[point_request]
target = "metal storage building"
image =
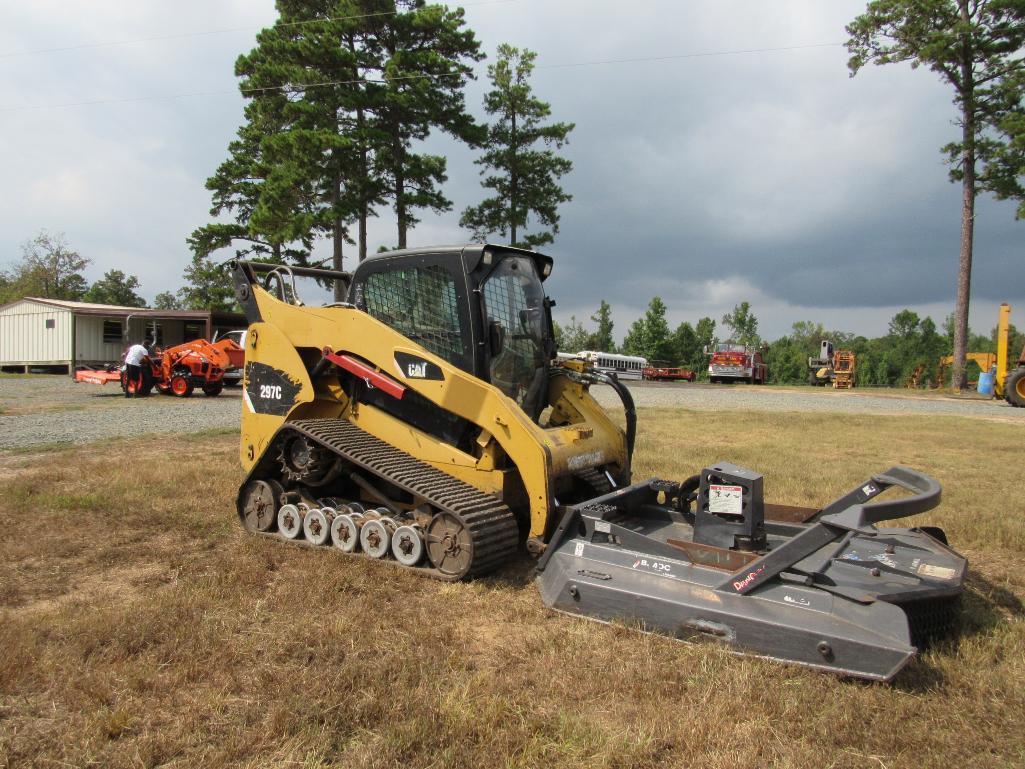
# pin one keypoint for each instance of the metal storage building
(56, 335)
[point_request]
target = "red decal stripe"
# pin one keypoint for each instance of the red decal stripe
(369, 375)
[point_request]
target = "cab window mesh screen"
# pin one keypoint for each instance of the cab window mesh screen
(419, 303)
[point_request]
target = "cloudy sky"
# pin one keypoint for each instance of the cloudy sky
(707, 169)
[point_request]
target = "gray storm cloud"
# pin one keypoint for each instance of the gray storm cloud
(706, 179)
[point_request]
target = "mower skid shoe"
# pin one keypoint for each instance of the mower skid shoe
(835, 593)
(795, 625)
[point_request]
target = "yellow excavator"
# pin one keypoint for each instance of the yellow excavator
(426, 421)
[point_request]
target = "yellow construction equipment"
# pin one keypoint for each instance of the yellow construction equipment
(985, 361)
(1008, 384)
(912, 382)
(836, 367)
(426, 421)
(844, 367)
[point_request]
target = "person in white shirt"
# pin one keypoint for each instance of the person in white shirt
(136, 357)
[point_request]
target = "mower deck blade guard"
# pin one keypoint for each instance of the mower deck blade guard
(833, 593)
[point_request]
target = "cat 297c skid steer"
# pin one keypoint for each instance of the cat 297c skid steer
(427, 421)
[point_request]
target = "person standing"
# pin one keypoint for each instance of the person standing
(136, 357)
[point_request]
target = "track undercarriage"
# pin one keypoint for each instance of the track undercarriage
(329, 482)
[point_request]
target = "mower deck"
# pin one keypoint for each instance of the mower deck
(831, 592)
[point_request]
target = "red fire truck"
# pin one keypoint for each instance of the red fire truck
(731, 362)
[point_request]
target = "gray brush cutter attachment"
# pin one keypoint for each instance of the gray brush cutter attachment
(709, 559)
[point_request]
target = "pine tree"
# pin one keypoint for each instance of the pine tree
(426, 55)
(975, 46)
(259, 229)
(602, 339)
(525, 178)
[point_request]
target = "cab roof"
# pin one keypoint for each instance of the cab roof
(470, 254)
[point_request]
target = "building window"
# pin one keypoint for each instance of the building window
(113, 332)
(51, 323)
(194, 331)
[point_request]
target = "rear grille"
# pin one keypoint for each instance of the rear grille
(931, 619)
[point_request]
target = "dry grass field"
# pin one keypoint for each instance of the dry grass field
(139, 626)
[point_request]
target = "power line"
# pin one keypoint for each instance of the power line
(298, 87)
(687, 56)
(225, 31)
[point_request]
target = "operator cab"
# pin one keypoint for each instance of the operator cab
(481, 307)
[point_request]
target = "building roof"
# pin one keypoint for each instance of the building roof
(69, 305)
(114, 310)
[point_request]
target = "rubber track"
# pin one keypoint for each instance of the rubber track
(491, 524)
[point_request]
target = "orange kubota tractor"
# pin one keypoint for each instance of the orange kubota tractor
(177, 370)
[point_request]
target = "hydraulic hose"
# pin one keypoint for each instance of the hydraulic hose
(629, 409)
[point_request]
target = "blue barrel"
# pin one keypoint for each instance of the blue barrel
(986, 379)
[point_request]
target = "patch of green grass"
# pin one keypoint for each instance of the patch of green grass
(42, 448)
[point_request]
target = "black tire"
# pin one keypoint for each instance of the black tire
(1014, 387)
(212, 389)
(180, 386)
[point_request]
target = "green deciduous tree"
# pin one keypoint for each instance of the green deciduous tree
(742, 324)
(166, 300)
(975, 47)
(115, 288)
(208, 286)
(649, 336)
(575, 337)
(48, 269)
(519, 161)
(687, 347)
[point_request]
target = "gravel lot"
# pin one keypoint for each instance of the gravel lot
(709, 397)
(53, 409)
(39, 410)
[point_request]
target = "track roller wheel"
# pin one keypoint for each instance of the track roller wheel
(317, 525)
(345, 531)
(290, 521)
(449, 545)
(181, 386)
(407, 544)
(213, 389)
(375, 537)
(259, 505)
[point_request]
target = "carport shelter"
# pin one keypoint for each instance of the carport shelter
(55, 335)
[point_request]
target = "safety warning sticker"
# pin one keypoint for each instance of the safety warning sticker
(937, 572)
(725, 500)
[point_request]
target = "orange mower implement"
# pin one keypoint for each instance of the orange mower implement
(177, 370)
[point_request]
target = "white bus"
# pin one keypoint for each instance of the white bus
(623, 366)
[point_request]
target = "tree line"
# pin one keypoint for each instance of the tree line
(50, 269)
(911, 343)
